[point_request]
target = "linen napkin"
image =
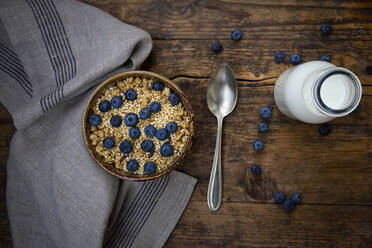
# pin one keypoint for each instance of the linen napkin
(52, 54)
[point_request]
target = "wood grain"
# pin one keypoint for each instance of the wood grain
(333, 172)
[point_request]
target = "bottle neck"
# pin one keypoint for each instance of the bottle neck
(336, 92)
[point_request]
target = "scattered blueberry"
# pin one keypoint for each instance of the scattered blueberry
(279, 56)
(155, 107)
(144, 114)
(258, 145)
(325, 29)
(166, 150)
(171, 127)
(116, 102)
(216, 47)
(263, 127)
(325, 58)
(104, 106)
(174, 99)
(95, 120)
(296, 198)
(150, 130)
(256, 169)
(324, 129)
(236, 34)
(131, 119)
(161, 134)
(108, 142)
(126, 147)
(288, 205)
(147, 145)
(279, 197)
(134, 132)
(157, 85)
(132, 165)
(149, 168)
(115, 121)
(295, 58)
(265, 112)
(130, 95)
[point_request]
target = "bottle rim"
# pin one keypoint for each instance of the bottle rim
(319, 103)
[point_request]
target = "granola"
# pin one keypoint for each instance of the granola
(147, 91)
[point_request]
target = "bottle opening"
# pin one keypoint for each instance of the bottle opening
(337, 92)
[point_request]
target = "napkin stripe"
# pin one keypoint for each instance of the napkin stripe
(150, 206)
(11, 65)
(138, 212)
(58, 48)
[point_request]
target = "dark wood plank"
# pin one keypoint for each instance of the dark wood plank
(267, 225)
(253, 59)
(7, 130)
(260, 20)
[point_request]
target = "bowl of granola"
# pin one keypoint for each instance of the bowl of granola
(138, 125)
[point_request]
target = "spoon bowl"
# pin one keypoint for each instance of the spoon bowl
(222, 92)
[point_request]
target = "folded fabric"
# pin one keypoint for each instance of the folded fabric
(52, 54)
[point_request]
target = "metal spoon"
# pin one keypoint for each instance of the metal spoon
(222, 95)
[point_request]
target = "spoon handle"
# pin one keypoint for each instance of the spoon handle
(215, 181)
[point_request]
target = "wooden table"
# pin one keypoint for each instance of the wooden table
(334, 173)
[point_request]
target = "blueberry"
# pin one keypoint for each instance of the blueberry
(258, 145)
(325, 58)
(279, 197)
(236, 34)
(134, 132)
(296, 198)
(126, 147)
(115, 121)
(95, 120)
(131, 119)
(263, 127)
(130, 95)
(108, 142)
(216, 47)
(256, 169)
(157, 85)
(155, 107)
(149, 168)
(325, 29)
(116, 102)
(144, 114)
(104, 106)
(132, 165)
(265, 112)
(147, 145)
(324, 129)
(161, 134)
(166, 150)
(174, 99)
(150, 131)
(171, 127)
(295, 58)
(279, 56)
(288, 205)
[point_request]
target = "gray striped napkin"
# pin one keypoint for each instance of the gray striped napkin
(52, 54)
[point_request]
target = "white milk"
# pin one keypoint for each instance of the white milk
(317, 92)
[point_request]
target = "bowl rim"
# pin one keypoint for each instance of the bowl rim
(86, 128)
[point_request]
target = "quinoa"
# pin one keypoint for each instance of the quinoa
(145, 95)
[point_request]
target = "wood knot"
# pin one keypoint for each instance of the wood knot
(260, 187)
(369, 69)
